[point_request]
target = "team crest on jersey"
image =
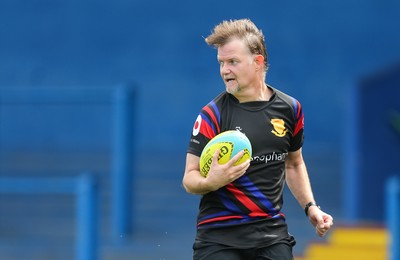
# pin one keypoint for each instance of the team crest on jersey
(279, 128)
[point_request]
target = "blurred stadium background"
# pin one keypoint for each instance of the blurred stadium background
(63, 65)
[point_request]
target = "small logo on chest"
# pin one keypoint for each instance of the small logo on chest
(278, 126)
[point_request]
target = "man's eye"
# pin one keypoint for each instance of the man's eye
(231, 62)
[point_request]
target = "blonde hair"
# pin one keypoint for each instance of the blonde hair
(242, 29)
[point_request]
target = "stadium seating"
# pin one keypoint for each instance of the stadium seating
(350, 243)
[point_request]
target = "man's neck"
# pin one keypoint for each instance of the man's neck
(257, 93)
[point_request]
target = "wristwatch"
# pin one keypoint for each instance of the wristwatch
(308, 205)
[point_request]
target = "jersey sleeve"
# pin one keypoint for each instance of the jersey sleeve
(298, 132)
(205, 128)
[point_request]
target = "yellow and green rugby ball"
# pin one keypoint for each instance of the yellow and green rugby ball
(229, 143)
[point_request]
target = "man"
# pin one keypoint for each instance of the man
(239, 215)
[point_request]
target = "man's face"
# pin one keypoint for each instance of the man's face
(237, 66)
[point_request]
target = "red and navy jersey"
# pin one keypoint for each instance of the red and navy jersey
(274, 128)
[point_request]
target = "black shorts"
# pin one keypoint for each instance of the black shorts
(211, 251)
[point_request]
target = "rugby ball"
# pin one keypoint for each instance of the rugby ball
(229, 143)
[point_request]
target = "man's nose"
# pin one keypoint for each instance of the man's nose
(225, 69)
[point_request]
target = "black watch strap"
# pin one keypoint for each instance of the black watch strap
(308, 205)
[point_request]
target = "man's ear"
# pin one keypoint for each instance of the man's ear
(259, 59)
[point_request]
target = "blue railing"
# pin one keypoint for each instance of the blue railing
(121, 99)
(85, 189)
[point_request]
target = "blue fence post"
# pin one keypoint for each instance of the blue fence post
(393, 215)
(87, 216)
(122, 176)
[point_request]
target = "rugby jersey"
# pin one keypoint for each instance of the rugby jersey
(274, 128)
